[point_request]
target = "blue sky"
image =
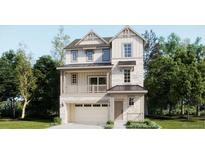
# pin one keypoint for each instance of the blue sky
(38, 38)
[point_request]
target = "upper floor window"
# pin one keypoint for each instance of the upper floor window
(74, 55)
(127, 75)
(74, 79)
(89, 54)
(127, 50)
(106, 54)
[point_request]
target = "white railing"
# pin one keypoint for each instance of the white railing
(97, 88)
(86, 89)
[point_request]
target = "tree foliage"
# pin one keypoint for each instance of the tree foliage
(176, 77)
(9, 83)
(26, 79)
(46, 95)
(59, 42)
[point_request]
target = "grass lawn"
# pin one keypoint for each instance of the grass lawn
(180, 123)
(24, 124)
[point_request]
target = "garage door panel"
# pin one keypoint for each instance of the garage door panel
(93, 115)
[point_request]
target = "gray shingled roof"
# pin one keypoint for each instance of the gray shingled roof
(73, 46)
(127, 88)
(127, 63)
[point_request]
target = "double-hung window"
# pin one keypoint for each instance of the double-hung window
(106, 54)
(74, 79)
(89, 55)
(127, 75)
(74, 55)
(128, 50)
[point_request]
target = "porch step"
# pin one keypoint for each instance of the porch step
(120, 124)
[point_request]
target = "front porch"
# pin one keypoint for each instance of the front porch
(121, 110)
(84, 82)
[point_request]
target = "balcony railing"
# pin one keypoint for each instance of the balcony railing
(86, 89)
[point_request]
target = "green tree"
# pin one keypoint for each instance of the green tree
(177, 77)
(26, 79)
(160, 81)
(46, 96)
(9, 83)
(151, 48)
(59, 42)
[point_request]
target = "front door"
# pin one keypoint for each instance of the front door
(118, 110)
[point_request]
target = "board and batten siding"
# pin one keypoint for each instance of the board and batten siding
(82, 81)
(137, 75)
(82, 58)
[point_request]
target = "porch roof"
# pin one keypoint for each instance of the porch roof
(126, 63)
(85, 66)
(127, 89)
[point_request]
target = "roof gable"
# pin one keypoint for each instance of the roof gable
(91, 38)
(127, 31)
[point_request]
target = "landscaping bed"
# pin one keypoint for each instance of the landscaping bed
(109, 125)
(146, 124)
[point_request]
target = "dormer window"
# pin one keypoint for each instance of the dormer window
(89, 55)
(74, 54)
(127, 50)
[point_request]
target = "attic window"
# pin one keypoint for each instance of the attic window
(126, 32)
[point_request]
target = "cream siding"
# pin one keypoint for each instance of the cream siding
(82, 84)
(71, 94)
(82, 58)
(137, 75)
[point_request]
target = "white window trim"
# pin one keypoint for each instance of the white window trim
(131, 97)
(72, 56)
(123, 49)
(124, 76)
(105, 60)
(97, 78)
(72, 83)
(92, 56)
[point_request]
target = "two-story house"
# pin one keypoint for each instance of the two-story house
(103, 79)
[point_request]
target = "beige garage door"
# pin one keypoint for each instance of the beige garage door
(91, 113)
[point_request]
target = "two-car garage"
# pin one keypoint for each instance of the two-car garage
(89, 113)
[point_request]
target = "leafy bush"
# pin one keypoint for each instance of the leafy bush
(57, 120)
(109, 124)
(146, 124)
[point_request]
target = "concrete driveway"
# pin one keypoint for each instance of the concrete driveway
(77, 126)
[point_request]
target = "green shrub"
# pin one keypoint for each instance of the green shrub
(109, 124)
(57, 120)
(146, 124)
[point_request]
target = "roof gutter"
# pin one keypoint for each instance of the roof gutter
(89, 67)
(127, 92)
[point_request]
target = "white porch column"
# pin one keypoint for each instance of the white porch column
(108, 80)
(63, 112)
(61, 80)
(112, 105)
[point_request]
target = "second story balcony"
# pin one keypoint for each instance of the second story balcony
(86, 89)
(85, 80)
